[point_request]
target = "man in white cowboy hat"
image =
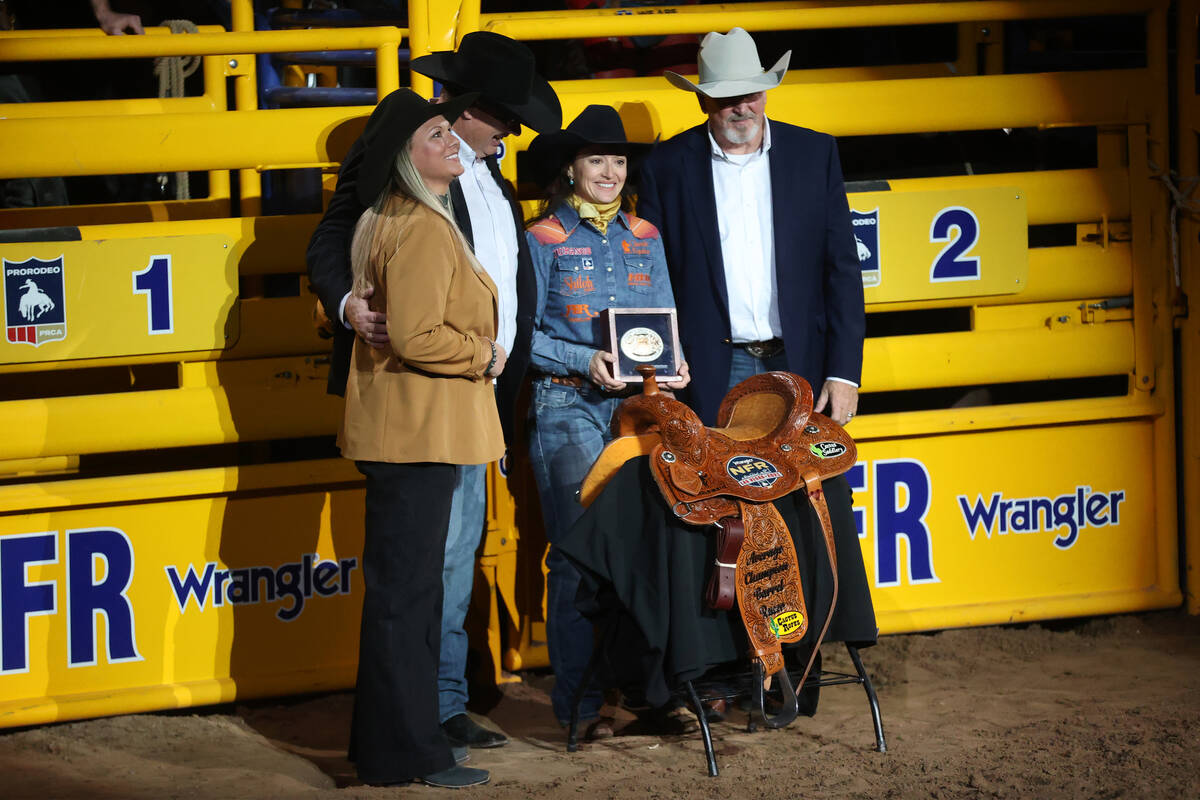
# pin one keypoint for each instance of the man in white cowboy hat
(757, 231)
(755, 223)
(511, 94)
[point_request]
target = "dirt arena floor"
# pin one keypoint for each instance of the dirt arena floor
(1103, 708)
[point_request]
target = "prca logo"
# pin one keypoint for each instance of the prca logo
(34, 301)
(865, 225)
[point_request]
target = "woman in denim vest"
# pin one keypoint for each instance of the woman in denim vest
(589, 254)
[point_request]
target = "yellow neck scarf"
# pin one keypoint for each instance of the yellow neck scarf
(599, 215)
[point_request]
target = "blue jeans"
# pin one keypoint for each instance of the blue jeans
(743, 365)
(458, 577)
(569, 429)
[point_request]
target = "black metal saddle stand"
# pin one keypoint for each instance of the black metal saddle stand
(697, 693)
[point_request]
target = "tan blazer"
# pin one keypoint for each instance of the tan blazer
(425, 398)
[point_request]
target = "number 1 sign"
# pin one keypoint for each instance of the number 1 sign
(121, 297)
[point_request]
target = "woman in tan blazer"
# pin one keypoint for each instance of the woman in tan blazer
(413, 411)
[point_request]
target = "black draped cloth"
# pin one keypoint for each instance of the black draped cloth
(645, 573)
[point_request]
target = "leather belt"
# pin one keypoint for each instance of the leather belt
(765, 349)
(577, 382)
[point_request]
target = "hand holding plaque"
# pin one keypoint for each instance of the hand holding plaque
(642, 336)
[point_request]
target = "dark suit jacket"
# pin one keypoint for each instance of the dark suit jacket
(329, 272)
(816, 263)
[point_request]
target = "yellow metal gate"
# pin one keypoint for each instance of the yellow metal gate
(165, 541)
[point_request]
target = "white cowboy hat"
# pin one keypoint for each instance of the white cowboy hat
(730, 67)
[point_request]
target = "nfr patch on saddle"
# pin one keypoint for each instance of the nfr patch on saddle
(767, 443)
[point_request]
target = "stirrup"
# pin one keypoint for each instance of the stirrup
(791, 707)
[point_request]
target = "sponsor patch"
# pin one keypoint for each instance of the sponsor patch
(635, 248)
(34, 301)
(752, 471)
(640, 279)
(1065, 516)
(785, 623)
(579, 312)
(578, 285)
(827, 449)
(572, 251)
(865, 225)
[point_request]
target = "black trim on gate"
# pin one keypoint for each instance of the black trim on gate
(25, 235)
(867, 186)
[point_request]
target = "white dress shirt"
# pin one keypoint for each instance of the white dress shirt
(742, 183)
(746, 224)
(495, 236)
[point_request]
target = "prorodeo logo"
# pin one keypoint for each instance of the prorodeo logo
(1074, 512)
(827, 449)
(34, 301)
(250, 585)
(866, 240)
(752, 471)
(785, 623)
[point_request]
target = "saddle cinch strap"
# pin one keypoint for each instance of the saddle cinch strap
(767, 444)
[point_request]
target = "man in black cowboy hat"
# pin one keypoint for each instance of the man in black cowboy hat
(511, 94)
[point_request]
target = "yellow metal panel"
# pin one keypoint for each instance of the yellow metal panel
(1072, 532)
(247, 401)
(119, 213)
(178, 142)
(984, 357)
(93, 33)
(1055, 273)
(1189, 277)
(935, 245)
(788, 16)
(200, 44)
(913, 424)
(264, 245)
(112, 628)
(893, 106)
(173, 142)
(120, 107)
(1053, 196)
(259, 478)
(118, 297)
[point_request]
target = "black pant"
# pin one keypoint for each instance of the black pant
(395, 734)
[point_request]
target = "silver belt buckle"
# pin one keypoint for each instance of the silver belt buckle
(761, 350)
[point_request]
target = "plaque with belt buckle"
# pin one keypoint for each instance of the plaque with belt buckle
(638, 336)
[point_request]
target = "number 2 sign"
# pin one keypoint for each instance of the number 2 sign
(943, 244)
(959, 228)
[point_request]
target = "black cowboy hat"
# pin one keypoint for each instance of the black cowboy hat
(500, 69)
(389, 128)
(596, 126)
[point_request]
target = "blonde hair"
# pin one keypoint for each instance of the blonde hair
(405, 181)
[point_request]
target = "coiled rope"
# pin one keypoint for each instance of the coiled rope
(172, 71)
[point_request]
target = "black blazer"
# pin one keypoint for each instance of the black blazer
(330, 275)
(817, 273)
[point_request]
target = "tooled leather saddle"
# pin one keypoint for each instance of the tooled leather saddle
(768, 442)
